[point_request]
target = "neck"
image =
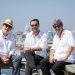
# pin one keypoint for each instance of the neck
(36, 33)
(5, 34)
(59, 34)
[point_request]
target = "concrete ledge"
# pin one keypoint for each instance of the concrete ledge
(70, 69)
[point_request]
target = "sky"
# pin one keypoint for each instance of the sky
(22, 11)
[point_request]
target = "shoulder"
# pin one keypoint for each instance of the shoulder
(1, 33)
(67, 32)
(55, 36)
(43, 35)
(11, 36)
(29, 34)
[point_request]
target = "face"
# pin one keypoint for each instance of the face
(58, 29)
(34, 26)
(6, 29)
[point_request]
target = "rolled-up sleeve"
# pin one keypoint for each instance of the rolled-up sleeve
(71, 40)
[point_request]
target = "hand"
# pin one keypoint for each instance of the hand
(5, 59)
(26, 48)
(9, 56)
(62, 59)
(51, 60)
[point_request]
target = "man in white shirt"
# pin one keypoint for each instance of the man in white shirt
(35, 48)
(62, 51)
(7, 47)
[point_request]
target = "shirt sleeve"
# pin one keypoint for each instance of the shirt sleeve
(71, 40)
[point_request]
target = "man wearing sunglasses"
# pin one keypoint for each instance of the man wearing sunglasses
(7, 47)
(62, 51)
(35, 48)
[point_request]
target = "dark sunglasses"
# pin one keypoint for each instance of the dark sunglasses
(56, 26)
(8, 26)
(34, 25)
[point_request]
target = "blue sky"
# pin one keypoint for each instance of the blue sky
(22, 11)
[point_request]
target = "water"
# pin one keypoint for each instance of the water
(9, 72)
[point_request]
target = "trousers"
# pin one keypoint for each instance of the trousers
(57, 67)
(15, 60)
(33, 61)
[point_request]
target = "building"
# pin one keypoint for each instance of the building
(50, 36)
(20, 37)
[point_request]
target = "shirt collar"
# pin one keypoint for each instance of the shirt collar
(63, 32)
(37, 35)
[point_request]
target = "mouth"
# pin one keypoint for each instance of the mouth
(6, 30)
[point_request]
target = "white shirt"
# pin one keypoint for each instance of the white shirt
(60, 46)
(7, 44)
(40, 40)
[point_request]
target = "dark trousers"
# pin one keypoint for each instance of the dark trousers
(58, 67)
(33, 61)
(15, 60)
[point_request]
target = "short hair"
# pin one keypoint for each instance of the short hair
(58, 22)
(35, 20)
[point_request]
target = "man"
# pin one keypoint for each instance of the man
(62, 51)
(35, 48)
(7, 47)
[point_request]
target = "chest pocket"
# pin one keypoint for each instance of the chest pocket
(64, 42)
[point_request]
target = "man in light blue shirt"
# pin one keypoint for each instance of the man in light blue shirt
(7, 47)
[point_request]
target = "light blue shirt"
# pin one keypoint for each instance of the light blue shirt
(7, 44)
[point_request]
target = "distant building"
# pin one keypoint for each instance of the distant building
(20, 36)
(50, 36)
(26, 30)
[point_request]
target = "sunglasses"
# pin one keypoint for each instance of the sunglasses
(34, 25)
(8, 26)
(56, 26)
